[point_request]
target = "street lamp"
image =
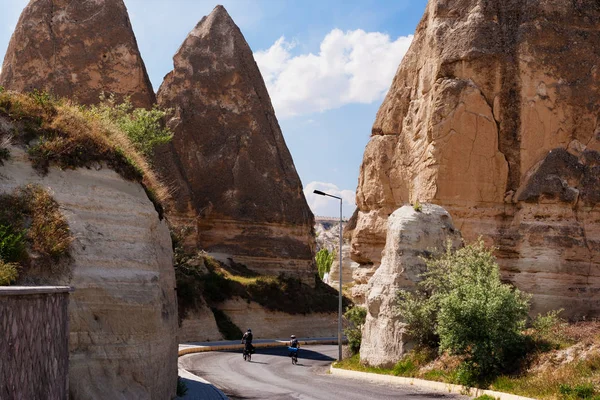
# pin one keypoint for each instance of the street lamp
(340, 276)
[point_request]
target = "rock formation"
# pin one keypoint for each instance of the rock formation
(123, 311)
(411, 235)
(234, 182)
(493, 114)
(77, 49)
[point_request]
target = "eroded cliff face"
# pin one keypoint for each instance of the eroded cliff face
(77, 49)
(235, 186)
(123, 311)
(493, 114)
(412, 236)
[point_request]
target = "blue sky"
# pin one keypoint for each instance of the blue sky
(327, 65)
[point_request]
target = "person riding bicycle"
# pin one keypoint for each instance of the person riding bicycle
(294, 343)
(247, 338)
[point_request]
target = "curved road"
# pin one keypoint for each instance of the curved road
(272, 376)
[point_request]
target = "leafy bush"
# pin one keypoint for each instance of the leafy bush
(324, 260)
(356, 317)
(12, 244)
(581, 391)
(417, 206)
(8, 273)
(462, 300)
(548, 332)
(143, 127)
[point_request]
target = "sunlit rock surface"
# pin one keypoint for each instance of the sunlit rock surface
(77, 49)
(493, 114)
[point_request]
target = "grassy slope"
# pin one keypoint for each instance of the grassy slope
(564, 363)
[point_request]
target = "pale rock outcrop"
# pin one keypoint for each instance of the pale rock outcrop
(199, 325)
(123, 311)
(234, 182)
(493, 114)
(77, 49)
(266, 324)
(411, 237)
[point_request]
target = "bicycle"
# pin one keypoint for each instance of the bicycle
(293, 354)
(247, 353)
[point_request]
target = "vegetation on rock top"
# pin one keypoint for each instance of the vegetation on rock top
(59, 132)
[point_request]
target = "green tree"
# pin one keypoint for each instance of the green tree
(462, 306)
(324, 260)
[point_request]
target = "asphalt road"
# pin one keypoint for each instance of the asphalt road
(271, 376)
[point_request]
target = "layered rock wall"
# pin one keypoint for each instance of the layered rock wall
(411, 237)
(493, 114)
(77, 49)
(123, 312)
(235, 186)
(267, 324)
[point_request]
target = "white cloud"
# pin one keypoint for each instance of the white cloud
(351, 67)
(328, 206)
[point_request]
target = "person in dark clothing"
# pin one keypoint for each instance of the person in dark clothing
(247, 339)
(294, 344)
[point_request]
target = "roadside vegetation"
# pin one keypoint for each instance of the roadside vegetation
(59, 132)
(470, 329)
(355, 317)
(33, 234)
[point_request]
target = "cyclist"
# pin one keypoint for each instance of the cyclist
(294, 343)
(247, 338)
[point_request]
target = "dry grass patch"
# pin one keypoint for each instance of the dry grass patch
(59, 132)
(33, 232)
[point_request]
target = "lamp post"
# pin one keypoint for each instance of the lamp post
(340, 276)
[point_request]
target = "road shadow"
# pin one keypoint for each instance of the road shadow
(303, 354)
(198, 390)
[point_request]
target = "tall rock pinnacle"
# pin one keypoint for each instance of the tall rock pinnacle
(493, 114)
(233, 177)
(77, 49)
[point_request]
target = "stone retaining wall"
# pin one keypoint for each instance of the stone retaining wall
(34, 342)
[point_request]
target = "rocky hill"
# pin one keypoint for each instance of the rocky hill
(493, 114)
(77, 50)
(237, 194)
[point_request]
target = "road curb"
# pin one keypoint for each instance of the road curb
(440, 386)
(238, 346)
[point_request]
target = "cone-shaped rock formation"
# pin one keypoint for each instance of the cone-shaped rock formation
(493, 114)
(77, 49)
(233, 177)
